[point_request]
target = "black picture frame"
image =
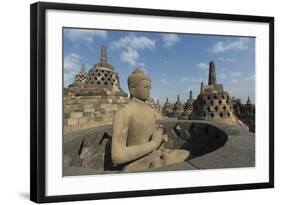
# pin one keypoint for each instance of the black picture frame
(38, 101)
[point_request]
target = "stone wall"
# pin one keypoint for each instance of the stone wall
(82, 112)
(248, 120)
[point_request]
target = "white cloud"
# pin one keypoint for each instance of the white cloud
(170, 40)
(251, 77)
(143, 68)
(142, 65)
(221, 47)
(235, 74)
(222, 75)
(223, 59)
(192, 80)
(134, 42)
(72, 62)
(223, 70)
(197, 79)
(68, 78)
(132, 45)
(84, 35)
(130, 56)
(184, 79)
(165, 81)
(233, 81)
(203, 66)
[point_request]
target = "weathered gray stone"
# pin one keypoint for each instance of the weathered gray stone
(212, 146)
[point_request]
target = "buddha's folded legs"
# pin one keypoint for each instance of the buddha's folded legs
(171, 156)
(158, 158)
(146, 162)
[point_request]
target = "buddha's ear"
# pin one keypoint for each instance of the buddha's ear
(132, 90)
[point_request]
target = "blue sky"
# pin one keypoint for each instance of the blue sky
(176, 63)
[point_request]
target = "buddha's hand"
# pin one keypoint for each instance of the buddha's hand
(165, 138)
(158, 136)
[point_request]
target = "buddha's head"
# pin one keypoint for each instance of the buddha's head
(139, 85)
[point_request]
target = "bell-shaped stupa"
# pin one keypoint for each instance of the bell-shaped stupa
(213, 103)
(93, 96)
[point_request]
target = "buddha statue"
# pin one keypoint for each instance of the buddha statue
(137, 141)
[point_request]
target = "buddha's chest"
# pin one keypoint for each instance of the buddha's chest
(143, 120)
(141, 125)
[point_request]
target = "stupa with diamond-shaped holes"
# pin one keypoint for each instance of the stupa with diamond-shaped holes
(213, 103)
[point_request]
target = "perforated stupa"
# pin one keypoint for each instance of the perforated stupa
(213, 103)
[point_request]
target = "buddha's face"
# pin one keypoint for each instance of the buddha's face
(142, 90)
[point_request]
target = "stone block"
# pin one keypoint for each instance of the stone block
(66, 115)
(97, 114)
(100, 110)
(89, 114)
(76, 114)
(88, 106)
(70, 121)
(99, 118)
(88, 110)
(82, 120)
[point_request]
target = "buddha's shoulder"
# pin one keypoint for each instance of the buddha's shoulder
(133, 107)
(126, 110)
